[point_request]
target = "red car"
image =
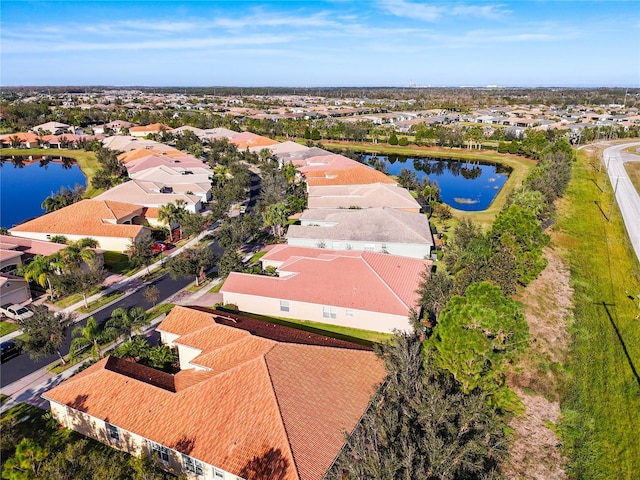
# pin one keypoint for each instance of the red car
(159, 247)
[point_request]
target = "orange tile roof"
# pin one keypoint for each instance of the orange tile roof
(87, 218)
(358, 175)
(258, 414)
(138, 153)
(251, 140)
(154, 127)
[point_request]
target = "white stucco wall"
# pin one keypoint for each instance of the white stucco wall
(401, 249)
(361, 319)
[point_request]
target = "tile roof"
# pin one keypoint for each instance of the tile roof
(87, 218)
(379, 224)
(257, 414)
(139, 153)
(361, 196)
(148, 194)
(154, 127)
(152, 160)
(366, 281)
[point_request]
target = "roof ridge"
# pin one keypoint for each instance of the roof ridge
(365, 257)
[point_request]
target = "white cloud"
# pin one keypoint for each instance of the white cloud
(434, 12)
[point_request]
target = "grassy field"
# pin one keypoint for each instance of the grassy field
(601, 402)
(87, 161)
(520, 168)
(7, 327)
(365, 337)
(633, 169)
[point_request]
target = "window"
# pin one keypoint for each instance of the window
(284, 305)
(218, 473)
(329, 312)
(114, 433)
(161, 450)
(192, 465)
(369, 247)
(348, 312)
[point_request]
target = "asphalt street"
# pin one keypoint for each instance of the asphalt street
(22, 365)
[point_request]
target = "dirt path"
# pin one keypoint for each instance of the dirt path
(535, 452)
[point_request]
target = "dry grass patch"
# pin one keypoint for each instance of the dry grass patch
(535, 450)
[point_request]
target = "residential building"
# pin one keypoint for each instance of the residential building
(243, 406)
(364, 290)
(380, 229)
(114, 225)
(13, 289)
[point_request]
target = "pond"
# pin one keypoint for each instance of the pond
(469, 186)
(26, 181)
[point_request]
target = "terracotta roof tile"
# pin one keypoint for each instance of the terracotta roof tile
(87, 218)
(259, 415)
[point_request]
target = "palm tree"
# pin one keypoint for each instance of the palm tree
(39, 269)
(79, 252)
(161, 357)
(89, 335)
(126, 322)
(172, 213)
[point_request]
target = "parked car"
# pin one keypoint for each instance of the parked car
(8, 350)
(15, 311)
(159, 247)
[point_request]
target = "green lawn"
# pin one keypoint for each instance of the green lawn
(7, 327)
(633, 170)
(117, 262)
(601, 403)
(363, 337)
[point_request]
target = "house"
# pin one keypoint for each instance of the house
(20, 140)
(144, 130)
(242, 406)
(13, 289)
(380, 229)
(114, 225)
(117, 126)
(51, 128)
(195, 180)
(364, 290)
(152, 194)
(15, 251)
(152, 161)
(362, 196)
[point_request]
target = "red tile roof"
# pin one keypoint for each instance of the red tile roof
(351, 279)
(257, 414)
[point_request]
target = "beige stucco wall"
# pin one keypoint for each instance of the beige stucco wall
(362, 319)
(14, 290)
(117, 244)
(129, 442)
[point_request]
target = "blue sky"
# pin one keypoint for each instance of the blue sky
(320, 43)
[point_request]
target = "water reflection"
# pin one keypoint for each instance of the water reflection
(464, 184)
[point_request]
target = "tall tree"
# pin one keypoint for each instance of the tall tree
(86, 336)
(40, 270)
(125, 322)
(192, 262)
(140, 252)
(476, 335)
(172, 213)
(420, 425)
(45, 333)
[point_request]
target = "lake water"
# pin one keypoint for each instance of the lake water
(25, 183)
(464, 186)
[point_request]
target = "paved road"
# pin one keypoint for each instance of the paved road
(22, 366)
(626, 195)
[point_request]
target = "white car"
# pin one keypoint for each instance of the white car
(16, 312)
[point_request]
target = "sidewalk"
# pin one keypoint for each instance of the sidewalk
(128, 284)
(30, 388)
